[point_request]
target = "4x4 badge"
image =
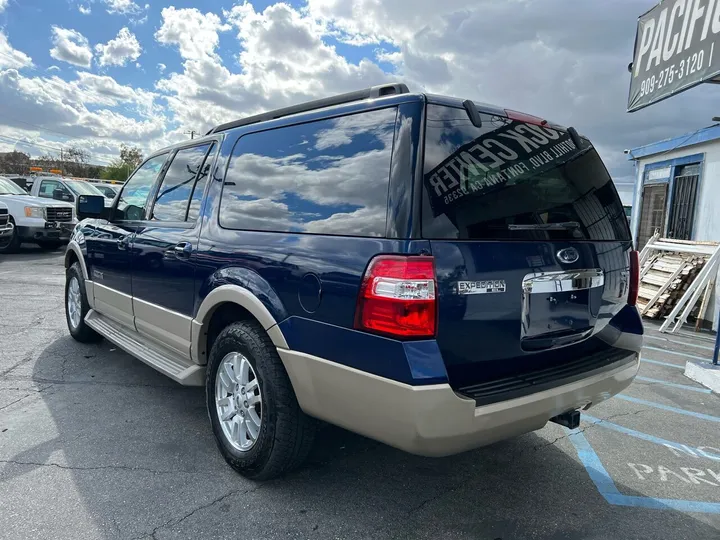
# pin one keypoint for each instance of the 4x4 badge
(568, 255)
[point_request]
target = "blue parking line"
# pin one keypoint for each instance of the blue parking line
(701, 358)
(593, 465)
(666, 364)
(680, 342)
(607, 488)
(645, 436)
(675, 385)
(667, 408)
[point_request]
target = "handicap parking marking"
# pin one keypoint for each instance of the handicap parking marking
(676, 448)
(681, 343)
(686, 355)
(639, 401)
(685, 387)
(609, 491)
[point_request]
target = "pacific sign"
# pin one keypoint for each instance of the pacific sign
(674, 50)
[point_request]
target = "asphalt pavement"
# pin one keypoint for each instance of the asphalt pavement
(96, 445)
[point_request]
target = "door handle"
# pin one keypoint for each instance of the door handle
(183, 250)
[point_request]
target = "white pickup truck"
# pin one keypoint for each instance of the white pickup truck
(47, 223)
(64, 189)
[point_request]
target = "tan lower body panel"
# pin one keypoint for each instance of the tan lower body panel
(434, 420)
(113, 304)
(90, 292)
(168, 328)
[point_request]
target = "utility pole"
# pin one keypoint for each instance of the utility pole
(191, 133)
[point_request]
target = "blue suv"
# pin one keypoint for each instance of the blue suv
(433, 273)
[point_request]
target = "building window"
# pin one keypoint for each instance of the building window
(684, 198)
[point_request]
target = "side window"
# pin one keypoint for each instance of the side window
(48, 186)
(134, 195)
(325, 177)
(199, 189)
(174, 194)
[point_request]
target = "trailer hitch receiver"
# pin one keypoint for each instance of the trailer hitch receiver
(570, 419)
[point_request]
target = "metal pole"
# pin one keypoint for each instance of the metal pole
(717, 341)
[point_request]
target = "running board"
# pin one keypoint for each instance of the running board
(135, 344)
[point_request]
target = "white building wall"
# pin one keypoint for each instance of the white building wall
(707, 208)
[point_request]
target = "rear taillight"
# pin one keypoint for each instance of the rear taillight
(397, 297)
(634, 287)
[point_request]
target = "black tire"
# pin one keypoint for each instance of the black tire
(286, 433)
(50, 245)
(13, 244)
(82, 332)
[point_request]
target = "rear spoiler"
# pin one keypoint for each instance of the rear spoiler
(476, 119)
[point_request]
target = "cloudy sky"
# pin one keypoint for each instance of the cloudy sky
(96, 73)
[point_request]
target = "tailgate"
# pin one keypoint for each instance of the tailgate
(531, 248)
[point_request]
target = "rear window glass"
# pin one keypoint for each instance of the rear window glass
(508, 180)
(326, 177)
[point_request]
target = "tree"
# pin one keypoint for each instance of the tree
(117, 170)
(121, 168)
(14, 162)
(74, 161)
(131, 155)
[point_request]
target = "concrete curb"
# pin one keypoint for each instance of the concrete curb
(704, 373)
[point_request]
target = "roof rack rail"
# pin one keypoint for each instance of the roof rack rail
(359, 95)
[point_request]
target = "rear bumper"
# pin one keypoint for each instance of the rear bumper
(433, 420)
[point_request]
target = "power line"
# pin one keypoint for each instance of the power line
(40, 127)
(12, 140)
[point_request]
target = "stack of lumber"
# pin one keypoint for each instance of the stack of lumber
(664, 278)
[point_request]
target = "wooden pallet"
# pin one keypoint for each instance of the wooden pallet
(674, 274)
(665, 278)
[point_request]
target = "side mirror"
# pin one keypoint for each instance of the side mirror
(62, 195)
(91, 206)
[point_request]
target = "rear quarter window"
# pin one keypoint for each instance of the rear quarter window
(325, 177)
(509, 180)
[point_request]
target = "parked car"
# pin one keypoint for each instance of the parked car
(108, 190)
(24, 182)
(429, 272)
(63, 189)
(39, 221)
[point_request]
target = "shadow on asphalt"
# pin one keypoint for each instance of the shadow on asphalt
(113, 412)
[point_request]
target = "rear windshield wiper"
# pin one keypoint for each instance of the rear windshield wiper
(563, 226)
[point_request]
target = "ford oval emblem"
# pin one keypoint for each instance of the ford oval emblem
(568, 255)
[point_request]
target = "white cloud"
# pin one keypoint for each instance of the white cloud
(3, 5)
(161, 67)
(194, 33)
(125, 7)
(10, 57)
(282, 60)
(119, 51)
(119, 112)
(70, 46)
(53, 68)
(85, 10)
